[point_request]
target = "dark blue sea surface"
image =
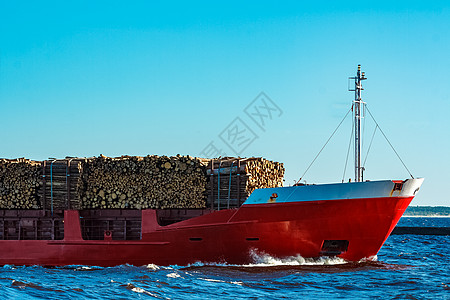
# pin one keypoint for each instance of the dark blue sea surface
(407, 267)
(425, 221)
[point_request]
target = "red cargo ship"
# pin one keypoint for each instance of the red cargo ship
(349, 220)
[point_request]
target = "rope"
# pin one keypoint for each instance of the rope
(390, 143)
(370, 145)
(363, 126)
(325, 145)
(348, 150)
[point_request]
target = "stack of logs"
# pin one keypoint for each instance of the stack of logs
(133, 182)
(263, 174)
(232, 180)
(143, 182)
(60, 183)
(19, 182)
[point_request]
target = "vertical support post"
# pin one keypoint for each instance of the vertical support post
(44, 202)
(211, 184)
(149, 221)
(51, 185)
(125, 229)
(238, 178)
(218, 185)
(68, 184)
(35, 226)
(53, 228)
(72, 228)
(357, 110)
(229, 185)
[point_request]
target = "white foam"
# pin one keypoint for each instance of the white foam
(369, 259)
(141, 291)
(212, 280)
(9, 267)
(152, 267)
(222, 281)
(173, 275)
(138, 290)
(262, 259)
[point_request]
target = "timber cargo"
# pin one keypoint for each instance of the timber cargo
(19, 183)
(134, 182)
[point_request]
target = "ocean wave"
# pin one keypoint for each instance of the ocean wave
(23, 285)
(136, 289)
(369, 259)
(261, 259)
(222, 281)
(173, 275)
(152, 267)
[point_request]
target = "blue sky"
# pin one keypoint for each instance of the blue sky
(82, 78)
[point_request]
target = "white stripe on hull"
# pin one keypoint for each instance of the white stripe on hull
(334, 191)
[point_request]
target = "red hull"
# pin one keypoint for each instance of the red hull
(278, 229)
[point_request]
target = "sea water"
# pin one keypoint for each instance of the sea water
(407, 267)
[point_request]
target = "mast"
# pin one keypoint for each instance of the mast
(357, 110)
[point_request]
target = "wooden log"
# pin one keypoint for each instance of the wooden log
(144, 182)
(19, 183)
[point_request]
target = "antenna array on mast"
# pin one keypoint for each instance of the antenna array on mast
(357, 113)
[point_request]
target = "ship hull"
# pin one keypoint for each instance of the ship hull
(231, 236)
